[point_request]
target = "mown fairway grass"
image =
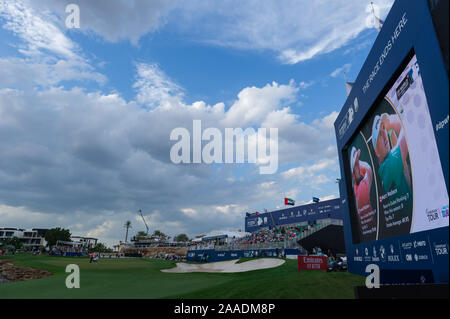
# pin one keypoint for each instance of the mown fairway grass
(142, 278)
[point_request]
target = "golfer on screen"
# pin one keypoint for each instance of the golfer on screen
(391, 149)
(362, 177)
(362, 182)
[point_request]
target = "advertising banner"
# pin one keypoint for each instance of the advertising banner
(306, 214)
(312, 263)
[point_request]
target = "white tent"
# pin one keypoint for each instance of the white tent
(348, 87)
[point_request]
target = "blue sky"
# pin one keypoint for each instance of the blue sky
(87, 113)
(215, 74)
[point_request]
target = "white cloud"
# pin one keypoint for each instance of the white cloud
(254, 104)
(115, 20)
(153, 85)
(267, 185)
(37, 31)
(345, 68)
(308, 172)
(11, 216)
(295, 30)
(320, 179)
(327, 122)
(26, 73)
(333, 24)
(189, 212)
(101, 230)
(49, 56)
(69, 152)
(305, 85)
(88, 160)
(300, 141)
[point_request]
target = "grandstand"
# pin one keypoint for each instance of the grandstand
(309, 214)
(153, 247)
(69, 249)
(292, 231)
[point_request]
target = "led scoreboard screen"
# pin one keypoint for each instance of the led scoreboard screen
(393, 141)
(398, 186)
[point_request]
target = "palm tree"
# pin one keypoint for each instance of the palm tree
(160, 234)
(141, 235)
(127, 226)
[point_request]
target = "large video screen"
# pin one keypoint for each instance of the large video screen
(397, 182)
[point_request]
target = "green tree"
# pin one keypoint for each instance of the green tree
(12, 242)
(127, 226)
(160, 234)
(101, 248)
(181, 238)
(141, 235)
(55, 234)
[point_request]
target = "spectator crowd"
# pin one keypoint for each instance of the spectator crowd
(276, 237)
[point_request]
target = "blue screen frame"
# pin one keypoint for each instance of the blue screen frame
(418, 35)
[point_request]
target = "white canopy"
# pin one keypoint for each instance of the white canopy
(226, 233)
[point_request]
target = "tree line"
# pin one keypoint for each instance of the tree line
(140, 235)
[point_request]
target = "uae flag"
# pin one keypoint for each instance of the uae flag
(288, 201)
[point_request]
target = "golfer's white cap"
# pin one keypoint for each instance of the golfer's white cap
(353, 156)
(375, 130)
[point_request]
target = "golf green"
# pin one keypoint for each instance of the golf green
(142, 278)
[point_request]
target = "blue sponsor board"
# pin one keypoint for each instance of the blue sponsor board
(422, 251)
(403, 79)
(306, 214)
(69, 254)
(211, 255)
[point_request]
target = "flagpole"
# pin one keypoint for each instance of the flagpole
(377, 22)
(373, 15)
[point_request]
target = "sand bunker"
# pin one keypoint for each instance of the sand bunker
(227, 266)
